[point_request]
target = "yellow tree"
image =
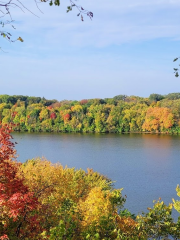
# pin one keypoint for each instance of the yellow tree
(158, 119)
(74, 203)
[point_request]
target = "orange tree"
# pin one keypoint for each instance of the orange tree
(158, 119)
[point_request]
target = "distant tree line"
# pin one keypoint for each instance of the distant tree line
(120, 114)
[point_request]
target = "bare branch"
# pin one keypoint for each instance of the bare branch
(26, 8)
(38, 6)
(5, 8)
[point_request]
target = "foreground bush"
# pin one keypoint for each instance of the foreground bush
(40, 200)
(74, 204)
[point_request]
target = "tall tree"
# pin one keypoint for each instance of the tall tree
(16, 201)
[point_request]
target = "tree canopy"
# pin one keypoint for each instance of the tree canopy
(120, 114)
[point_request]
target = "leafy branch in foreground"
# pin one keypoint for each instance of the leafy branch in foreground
(176, 70)
(5, 10)
(81, 10)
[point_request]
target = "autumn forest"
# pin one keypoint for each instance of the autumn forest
(120, 114)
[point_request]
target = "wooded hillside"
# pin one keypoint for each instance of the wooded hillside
(119, 114)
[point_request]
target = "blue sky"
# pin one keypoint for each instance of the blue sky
(128, 48)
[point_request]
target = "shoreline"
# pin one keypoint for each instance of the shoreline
(152, 133)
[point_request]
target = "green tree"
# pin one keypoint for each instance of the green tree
(154, 97)
(120, 97)
(173, 96)
(158, 222)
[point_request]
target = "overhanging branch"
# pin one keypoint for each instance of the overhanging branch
(5, 8)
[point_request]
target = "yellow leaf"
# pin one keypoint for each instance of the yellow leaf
(20, 39)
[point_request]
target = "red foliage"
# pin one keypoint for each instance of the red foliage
(49, 107)
(56, 105)
(14, 114)
(15, 197)
(4, 237)
(84, 101)
(67, 117)
(52, 115)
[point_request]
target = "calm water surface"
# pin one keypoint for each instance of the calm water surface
(145, 166)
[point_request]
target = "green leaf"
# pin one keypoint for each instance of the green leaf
(69, 8)
(96, 235)
(175, 59)
(57, 2)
